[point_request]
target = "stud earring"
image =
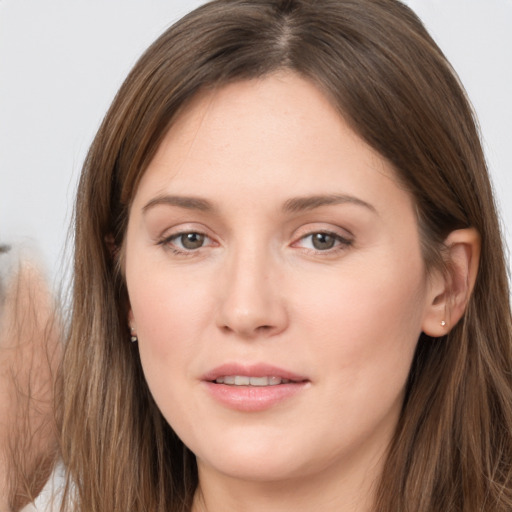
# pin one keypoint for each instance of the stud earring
(133, 337)
(443, 323)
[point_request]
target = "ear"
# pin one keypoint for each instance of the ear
(131, 320)
(451, 288)
(112, 247)
(132, 327)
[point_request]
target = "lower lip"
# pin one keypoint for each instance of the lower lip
(253, 398)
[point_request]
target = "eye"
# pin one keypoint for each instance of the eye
(190, 241)
(186, 241)
(323, 241)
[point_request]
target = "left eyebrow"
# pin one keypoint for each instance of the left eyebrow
(299, 204)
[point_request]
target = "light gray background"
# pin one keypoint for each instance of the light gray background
(61, 62)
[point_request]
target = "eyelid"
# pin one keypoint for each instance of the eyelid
(181, 228)
(340, 239)
(178, 235)
(321, 227)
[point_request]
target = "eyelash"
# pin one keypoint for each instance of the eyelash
(341, 243)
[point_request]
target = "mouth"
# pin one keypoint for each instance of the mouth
(245, 380)
(254, 387)
(259, 375)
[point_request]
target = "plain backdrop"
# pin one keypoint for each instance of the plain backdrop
(61, 62)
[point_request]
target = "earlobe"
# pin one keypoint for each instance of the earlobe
(451, 288)
(131, 326)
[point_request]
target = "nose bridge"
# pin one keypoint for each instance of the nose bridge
(251, 300)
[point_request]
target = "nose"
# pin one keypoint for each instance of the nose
(252, 302)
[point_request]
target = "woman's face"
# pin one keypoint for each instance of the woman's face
(276, 284)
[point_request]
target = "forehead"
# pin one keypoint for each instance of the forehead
(275, 134)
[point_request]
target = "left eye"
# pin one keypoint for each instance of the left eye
(188, 241)
(322, 241)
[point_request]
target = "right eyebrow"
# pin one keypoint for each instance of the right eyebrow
(187, 202)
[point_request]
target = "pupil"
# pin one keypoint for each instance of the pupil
(192, 240)
(323, 241)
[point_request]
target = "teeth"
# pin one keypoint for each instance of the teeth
(261, 381)
(244, 380)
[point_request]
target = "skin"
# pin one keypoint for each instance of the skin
(29, 355)
(347, 318)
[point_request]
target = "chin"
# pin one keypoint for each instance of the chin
(256, 470)
(256, 459)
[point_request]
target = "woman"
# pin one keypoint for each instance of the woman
(287, 211)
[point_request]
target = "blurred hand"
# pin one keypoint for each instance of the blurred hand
(29, 356)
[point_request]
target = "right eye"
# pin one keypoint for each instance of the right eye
(186, 242)
(189, 241)
(323, 241)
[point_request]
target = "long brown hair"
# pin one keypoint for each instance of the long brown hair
(374, 60)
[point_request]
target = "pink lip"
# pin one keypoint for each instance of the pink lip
(252, 398)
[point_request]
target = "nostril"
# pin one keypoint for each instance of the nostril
(263, 328)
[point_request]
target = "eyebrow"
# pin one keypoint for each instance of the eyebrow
(187, 202)
(299, 204)
(293, 205)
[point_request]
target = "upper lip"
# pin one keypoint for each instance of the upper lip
(252, 370)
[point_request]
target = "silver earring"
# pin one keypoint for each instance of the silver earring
(443, 323)
(133, 337)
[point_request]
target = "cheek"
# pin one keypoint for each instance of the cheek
(173, 312)
(167, 313)
(364, 298)
(366, 323)
(166, 323)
